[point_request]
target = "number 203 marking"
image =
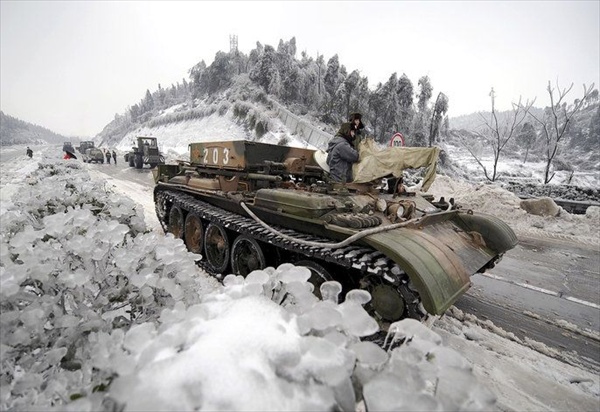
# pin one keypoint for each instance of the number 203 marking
(215, 155)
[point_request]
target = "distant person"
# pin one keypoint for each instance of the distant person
(107, 153)
(114, 155)
(29, 152)
(341, 154)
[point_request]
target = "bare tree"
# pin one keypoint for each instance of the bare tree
(556, 121)
(498, 133)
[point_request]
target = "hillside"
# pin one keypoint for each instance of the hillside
(15, 131)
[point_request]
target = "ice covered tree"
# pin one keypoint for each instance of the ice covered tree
(221, 72)
(196, 77)
(289, 71)
(526, 138)
(331, 83)
(419, 128)
(148, 102)
(265, 72)
(376, 105)
(439, 110)
(351, 85)
(405, 100)
(557, 120)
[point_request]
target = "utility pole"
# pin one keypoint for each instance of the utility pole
(233, 43)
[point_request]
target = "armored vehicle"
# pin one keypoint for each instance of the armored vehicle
(144, 152)
(83, 146)
(245, 206)
(93, 154)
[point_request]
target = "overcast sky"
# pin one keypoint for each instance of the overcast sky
(71, 66)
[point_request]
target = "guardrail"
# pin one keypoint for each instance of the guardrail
(302, 128)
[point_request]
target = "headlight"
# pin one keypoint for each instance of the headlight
(400, 211)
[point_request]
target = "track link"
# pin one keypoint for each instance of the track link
(368, 267)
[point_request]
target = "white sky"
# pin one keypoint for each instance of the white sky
(70, 66)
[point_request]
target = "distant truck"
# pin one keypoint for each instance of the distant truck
(68, 147)
(144, 152)
(93, 154)
(83, 146)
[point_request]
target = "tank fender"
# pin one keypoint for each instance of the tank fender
(498, 236)
(434, 269)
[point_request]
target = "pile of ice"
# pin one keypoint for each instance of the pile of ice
(97, 313)
(495, 200)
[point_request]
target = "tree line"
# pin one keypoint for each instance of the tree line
(312, 85)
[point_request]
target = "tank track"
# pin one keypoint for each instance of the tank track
(364, 263)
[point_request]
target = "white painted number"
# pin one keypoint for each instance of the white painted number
(215, 155)
(225, 156)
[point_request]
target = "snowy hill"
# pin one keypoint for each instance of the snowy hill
(14, 131)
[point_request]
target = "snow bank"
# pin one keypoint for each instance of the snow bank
(492, 199)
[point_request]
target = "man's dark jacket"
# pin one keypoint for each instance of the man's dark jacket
(341, 155)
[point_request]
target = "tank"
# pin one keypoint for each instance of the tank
(244, 206)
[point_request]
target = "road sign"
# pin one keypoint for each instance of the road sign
(397, 140)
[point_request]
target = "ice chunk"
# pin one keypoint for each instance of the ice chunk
(319, 317)
(447, 357)
(231, 280)
(330, 290)
(292, 273)
(337, 338)
(301, 297)
(257, 276)
(324, 361)
(407, 328)
(387, 392)
(356, 321)
(369, 354)
(359, 296)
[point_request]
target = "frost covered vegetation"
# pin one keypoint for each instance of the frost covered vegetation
(98, 313)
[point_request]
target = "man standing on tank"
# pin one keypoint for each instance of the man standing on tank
(356, 120)
(341, 154)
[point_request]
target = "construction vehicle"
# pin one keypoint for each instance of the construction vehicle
(245, 206)
(93, 155)
(68, 147)
(83, 146)
(144, 152)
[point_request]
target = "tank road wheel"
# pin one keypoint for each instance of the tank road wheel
(216, 248)
(391, 303)
(246, 256)
(387, 303)
(193, 233)
(176, 222)
(318, 275)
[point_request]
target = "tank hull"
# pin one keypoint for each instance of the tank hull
(245, 206)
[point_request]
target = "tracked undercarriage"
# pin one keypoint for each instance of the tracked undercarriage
(245, 206)
(362, 267)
